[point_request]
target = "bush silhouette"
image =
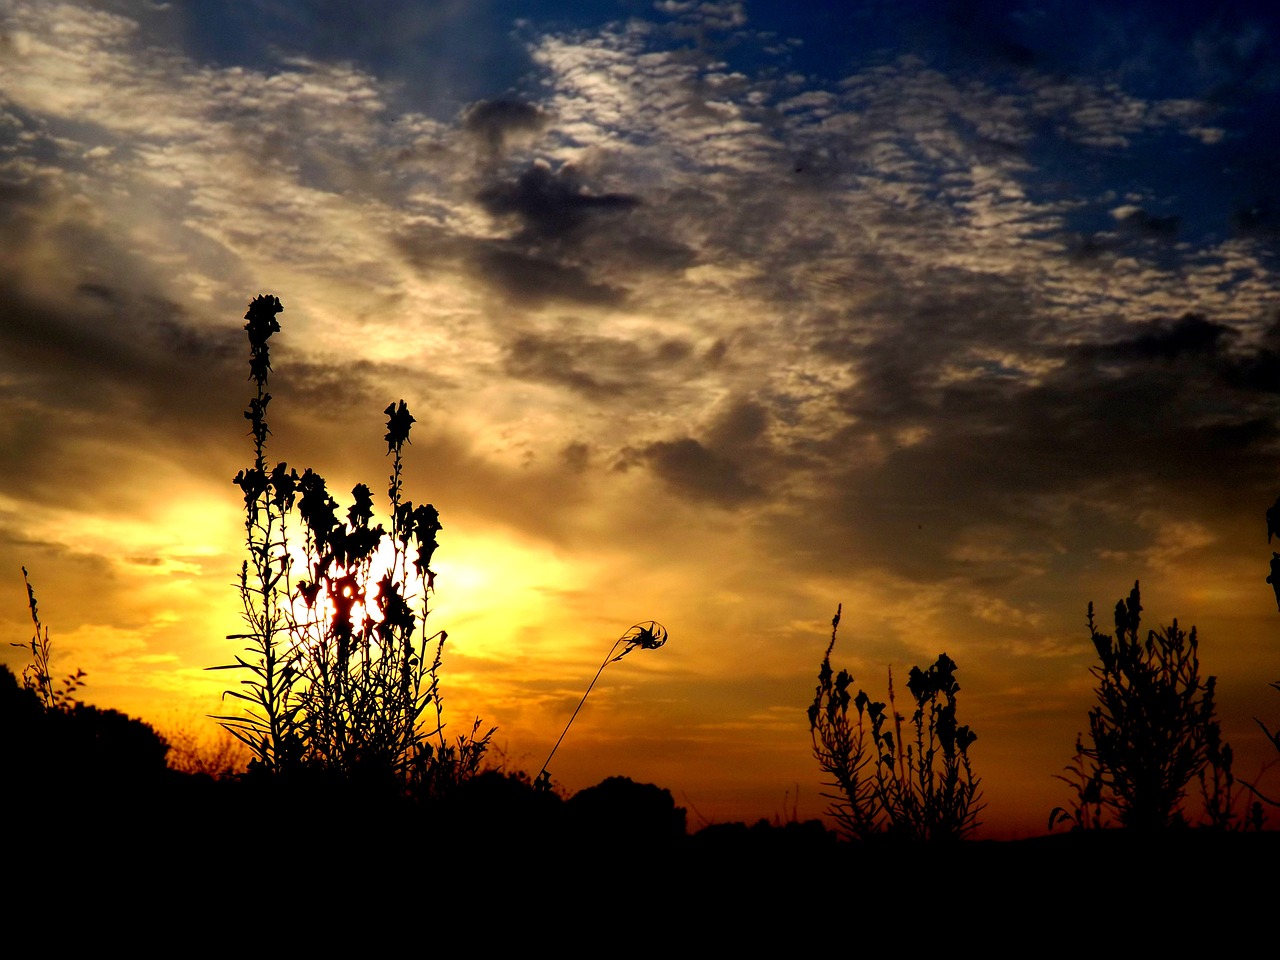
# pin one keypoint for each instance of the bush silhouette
(55, 750)
(923, 790)
(619, 810)
(54, 742)
(1152, 733)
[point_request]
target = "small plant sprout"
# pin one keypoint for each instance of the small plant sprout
(645, 636)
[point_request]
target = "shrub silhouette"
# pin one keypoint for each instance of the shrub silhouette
(54, 742)
(28, 743)
(1154, 731)
(49, 751)
(343, 677)
(923, 790)
(622, 811)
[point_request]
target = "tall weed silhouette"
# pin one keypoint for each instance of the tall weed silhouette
(1153, 732)
(924, 789)
(37, 676)
(343, 675)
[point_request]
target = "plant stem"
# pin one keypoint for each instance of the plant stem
(608, 657)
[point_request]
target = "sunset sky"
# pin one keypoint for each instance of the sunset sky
(958, 314)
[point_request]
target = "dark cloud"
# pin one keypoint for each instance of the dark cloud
(672, 351)
(699, 473)
(522, 277)
(741, 425)
(720, 468)
(1258, 218)
(535, 280)
(1234, 54)
(1257, 370)
(1090, 248)
(107, 364)
(538, 358)
(494, 121)
(110, 342)
(337, 386)
(1142, 222)
(552, 205)
(656, 253)
(906, 336)
(978, 29)
(1191, 335)
(1205, 354)
(1175, 419)
(598, 368)
(576, 456)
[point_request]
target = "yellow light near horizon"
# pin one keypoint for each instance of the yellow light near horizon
(487, 590)
(494, 586)
(170, 530)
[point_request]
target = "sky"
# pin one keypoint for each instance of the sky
(959, 315)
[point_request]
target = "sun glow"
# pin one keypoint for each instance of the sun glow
(346, 599)
(486, 583)
(494, 586)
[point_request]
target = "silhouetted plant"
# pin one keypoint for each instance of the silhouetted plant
(270, 725)
(1152, 733)
(923, 790)
(646, 636)
(37, 675)
(1273, 578)
(342, 672)
(1274, 737)
(1273, 528)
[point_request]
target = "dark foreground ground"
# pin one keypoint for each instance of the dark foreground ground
(106, 851)
(231, 867)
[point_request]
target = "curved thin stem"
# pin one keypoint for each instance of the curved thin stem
(608, 657)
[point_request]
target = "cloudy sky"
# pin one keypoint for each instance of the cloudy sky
(958, 314)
